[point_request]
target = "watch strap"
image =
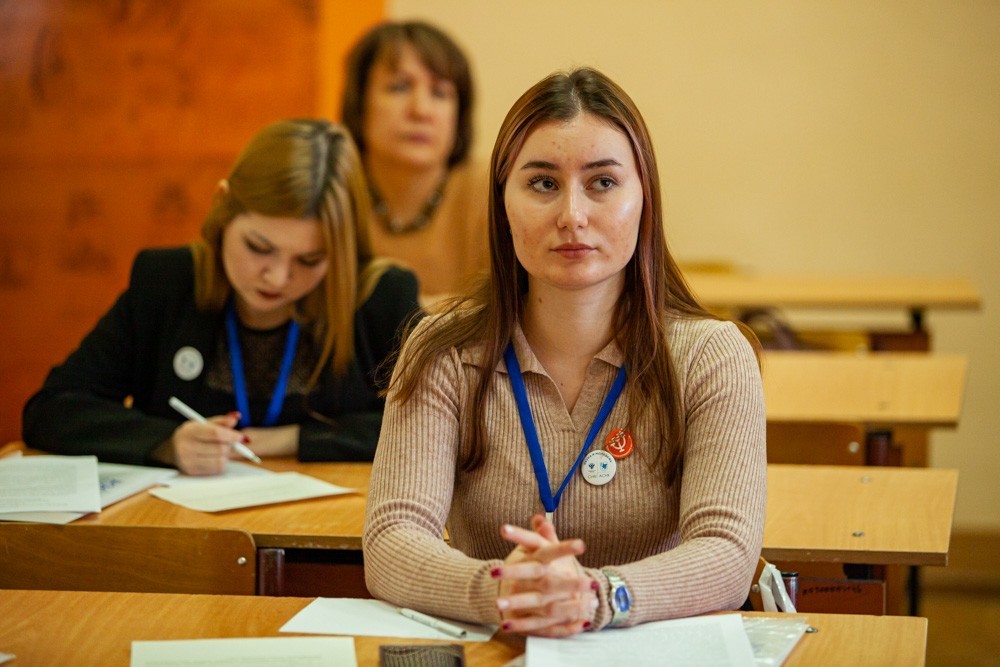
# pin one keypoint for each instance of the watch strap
(619, 597)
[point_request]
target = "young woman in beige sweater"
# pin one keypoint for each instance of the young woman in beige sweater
(566, 508)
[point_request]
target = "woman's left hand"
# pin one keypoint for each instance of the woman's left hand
(543, 589)
(274, 440)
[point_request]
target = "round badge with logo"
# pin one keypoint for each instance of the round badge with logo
(598, 467)
(188, 363)
(619, 443)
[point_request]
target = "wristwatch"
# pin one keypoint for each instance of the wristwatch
(620, 597)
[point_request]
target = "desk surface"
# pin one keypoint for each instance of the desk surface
(321, 523)
(70, 627)
(797, 495)
(877, 389)
(847, 514)
(737, 290)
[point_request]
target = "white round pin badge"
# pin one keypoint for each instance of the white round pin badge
(598, 467)
(188, 363)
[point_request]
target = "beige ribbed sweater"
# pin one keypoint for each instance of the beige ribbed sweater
(454, 244)
(684, 550)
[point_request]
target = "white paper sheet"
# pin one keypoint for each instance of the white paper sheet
(49, 484)
(703, 641)
(228, 494)
(117, 481)
(372, 618)
(234, 470)
(5, 657)
(259, 652)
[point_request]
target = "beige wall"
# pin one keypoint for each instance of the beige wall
(818, 136)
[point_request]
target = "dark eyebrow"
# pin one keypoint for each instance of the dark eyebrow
(538, 164)
(597, 164)
(609, 162)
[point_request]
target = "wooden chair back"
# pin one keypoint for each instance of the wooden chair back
(127, 559)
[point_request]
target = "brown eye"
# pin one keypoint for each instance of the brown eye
(603, 183)
(542, 184)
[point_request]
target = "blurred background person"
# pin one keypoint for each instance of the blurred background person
(408, 102)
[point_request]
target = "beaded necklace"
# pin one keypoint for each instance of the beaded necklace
(396, 226)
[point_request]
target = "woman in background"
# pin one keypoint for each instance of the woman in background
(566, 508)
(408, 103)
(273, 324)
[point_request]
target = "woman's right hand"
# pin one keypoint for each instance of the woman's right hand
(203, 449)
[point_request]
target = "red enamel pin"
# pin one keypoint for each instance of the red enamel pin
(619, 443)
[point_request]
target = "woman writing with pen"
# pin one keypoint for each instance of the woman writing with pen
(273, 325)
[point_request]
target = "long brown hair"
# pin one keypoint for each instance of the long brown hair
(654, 287)
(301, 169)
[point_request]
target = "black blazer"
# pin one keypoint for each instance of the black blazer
(133, 349)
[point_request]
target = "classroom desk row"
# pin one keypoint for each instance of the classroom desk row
(726, 290)
(880, 391)
(86, 628)
(815, 514)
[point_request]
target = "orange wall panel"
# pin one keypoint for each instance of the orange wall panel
(118, 120)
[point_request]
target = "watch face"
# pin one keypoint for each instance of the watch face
(622, 598)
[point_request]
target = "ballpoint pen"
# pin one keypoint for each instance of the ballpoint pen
(435, 623)
(186, 410)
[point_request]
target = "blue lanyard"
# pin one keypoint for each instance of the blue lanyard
(531, 434)
(239, 379)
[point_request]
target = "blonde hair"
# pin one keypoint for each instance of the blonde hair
(301, 169)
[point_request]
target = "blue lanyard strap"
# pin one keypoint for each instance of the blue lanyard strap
(239, 378)
(531, 434)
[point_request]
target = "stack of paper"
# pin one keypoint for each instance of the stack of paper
(716, 641)
(60, 489)
(725, 640)
(49, 484)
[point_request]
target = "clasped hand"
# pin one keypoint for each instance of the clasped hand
(543, 589)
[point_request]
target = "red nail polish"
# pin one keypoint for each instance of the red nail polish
(586, 625)
(594, 586)
(246, 440)
(505, 627)
(495, 573)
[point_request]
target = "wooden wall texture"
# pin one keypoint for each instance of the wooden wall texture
(117, 120)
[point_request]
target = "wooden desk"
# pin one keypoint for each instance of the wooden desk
(877, 389)
(881, 390)
(307, 547)
(735, 291)
(867, 515)
(312, 547)
(320, 523)
(68, 627)
(809, 507)
(865, 518)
